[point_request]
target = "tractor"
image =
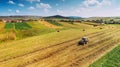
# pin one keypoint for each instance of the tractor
(83, 41)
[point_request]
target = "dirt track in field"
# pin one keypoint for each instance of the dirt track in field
(68, 54)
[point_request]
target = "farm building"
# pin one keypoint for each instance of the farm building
(12, 21)
(17, 20)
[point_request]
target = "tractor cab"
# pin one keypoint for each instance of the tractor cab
(83, 41)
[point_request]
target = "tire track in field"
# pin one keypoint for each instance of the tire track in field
(118, 34)
(96, 34)
(81, 55)
(30, 63)
(107, 48)
(104, 47)
(95, 55)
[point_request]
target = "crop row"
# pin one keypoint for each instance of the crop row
(17, 26)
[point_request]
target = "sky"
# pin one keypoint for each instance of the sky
(82, 8)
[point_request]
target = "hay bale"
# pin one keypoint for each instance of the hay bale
(58, 31)
(101, 28)
(83, 29)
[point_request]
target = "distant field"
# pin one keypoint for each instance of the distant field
(9, 26)
(37, 25)
(17, 26)
(85, 26)
(35, 28)
(28, 29)
(91, 23)
(55, 23)
(68, 25)
(112, 59)
(76, 25)
(49, 25)
(22, 26)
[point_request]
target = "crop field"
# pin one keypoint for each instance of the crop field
(76, 25)
(57, 49)
(17, 26)
(22, 26)
(9, 26)
(27, 29)
(43, 27)
(91, 23)
(75, 56)
(111, 59)
(29, 44)
(37, 25)
(6, 35)
(15, 30)
(59, 33)
(55, 23)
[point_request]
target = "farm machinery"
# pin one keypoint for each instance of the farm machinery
(83, 41)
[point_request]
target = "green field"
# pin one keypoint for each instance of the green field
(28, 29)
(39, 29)
(54, 23)
(17, 26)
(22, 26)
(9, 26)
(112, 59)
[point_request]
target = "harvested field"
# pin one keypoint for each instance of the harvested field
(67, 54)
